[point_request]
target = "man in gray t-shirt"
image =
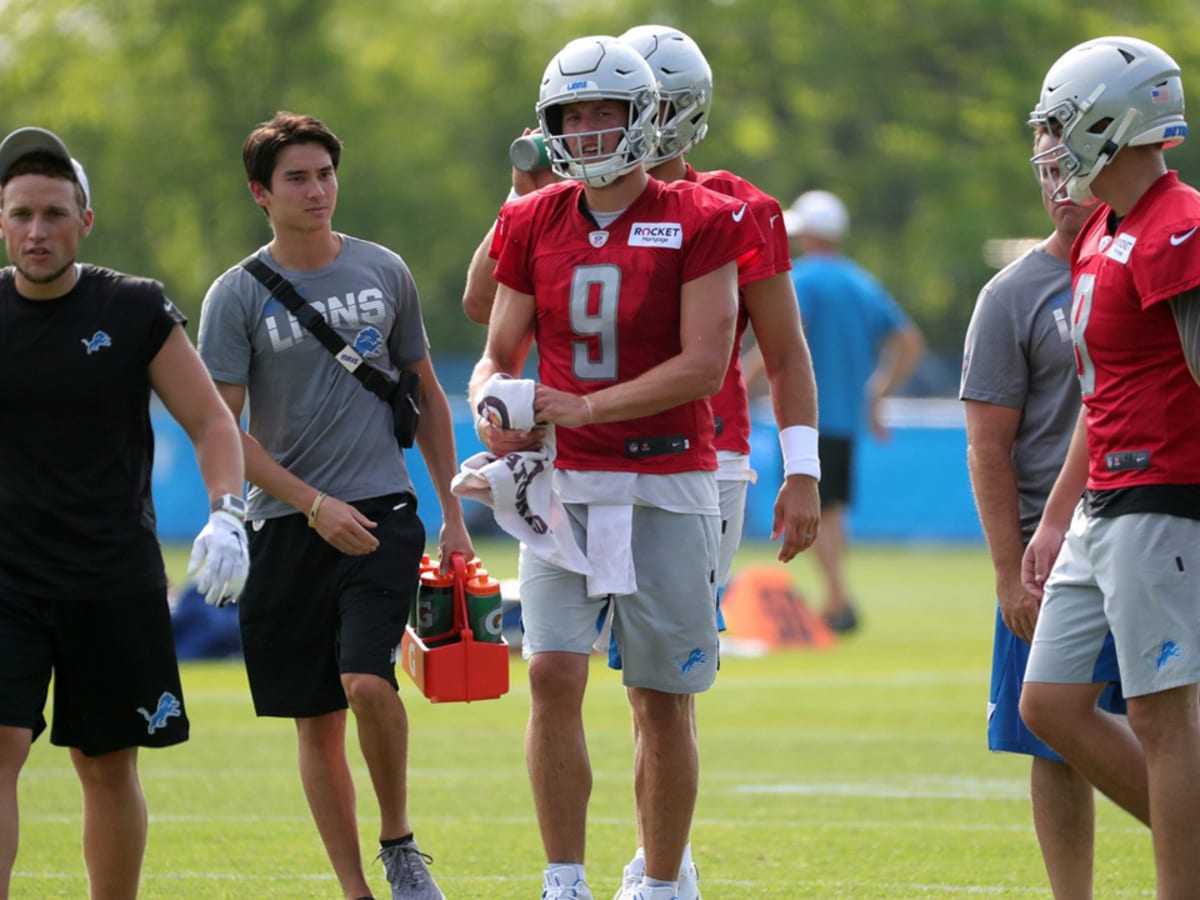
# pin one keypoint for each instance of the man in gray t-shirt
(1022, 403)
(1019, 356)
(311, 416)
(335, 541)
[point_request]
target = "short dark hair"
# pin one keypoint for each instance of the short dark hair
(268, 139)
(39, 163)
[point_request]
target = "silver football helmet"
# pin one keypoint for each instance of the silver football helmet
(685, 87)
(598, 68)
(1100, 96)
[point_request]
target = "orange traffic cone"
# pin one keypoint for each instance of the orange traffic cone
(760, 603)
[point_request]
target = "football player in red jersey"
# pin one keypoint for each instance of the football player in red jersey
(767, 302)
(629, 288)
(1130, 552)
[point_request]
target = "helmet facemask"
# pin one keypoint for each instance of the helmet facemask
(685, 86)
(580, 155)
(1077, 168)
(682, 114)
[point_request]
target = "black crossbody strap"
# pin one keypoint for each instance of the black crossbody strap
(349, 358)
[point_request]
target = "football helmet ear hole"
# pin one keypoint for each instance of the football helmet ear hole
(554, 118)
(1100, 127)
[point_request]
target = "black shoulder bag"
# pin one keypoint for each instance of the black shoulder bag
(404, 396)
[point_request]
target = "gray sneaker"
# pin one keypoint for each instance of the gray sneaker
(408, 873)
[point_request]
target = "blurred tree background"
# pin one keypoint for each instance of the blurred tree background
(912, 110)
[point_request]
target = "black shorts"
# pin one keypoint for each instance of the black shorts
(310, 613)
(836, 487)
(116, 679)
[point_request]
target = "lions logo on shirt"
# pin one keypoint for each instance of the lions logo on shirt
(369, 342)
(96, 342)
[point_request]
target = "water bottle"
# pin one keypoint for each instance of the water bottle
(528, 153)
(427, 565)
(484, 608)
(435, 606)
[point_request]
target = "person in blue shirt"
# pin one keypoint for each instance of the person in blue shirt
(863, 347)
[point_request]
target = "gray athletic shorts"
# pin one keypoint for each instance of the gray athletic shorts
(1138, 574)
(666, 631)
(733, 518)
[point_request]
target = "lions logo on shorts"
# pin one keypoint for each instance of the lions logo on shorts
(695, 660)
(1167, 652)
(167, 708)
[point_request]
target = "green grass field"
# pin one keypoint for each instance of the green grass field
(856, 772)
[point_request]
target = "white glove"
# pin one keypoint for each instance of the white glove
(221, 558)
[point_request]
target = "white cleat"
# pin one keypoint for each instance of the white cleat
(560, 883)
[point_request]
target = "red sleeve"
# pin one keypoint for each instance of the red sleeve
(758, 263)
(510, 247)
(494, 249)
(1167, 261)
(776, 254)
(776, 237)
(723, 231)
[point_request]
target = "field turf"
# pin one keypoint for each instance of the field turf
(859, 772)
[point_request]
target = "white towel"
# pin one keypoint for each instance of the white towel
(610, 549)
(507, 402)
(519, 489)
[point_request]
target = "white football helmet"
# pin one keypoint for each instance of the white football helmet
(1103, 95)
(598, 68)
(685, 87)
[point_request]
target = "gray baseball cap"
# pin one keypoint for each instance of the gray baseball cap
(24, 141)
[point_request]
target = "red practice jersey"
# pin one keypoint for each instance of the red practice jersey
(1143, 405)
(608, 307)
(731, 404)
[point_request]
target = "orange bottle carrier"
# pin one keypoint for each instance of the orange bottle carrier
(455, 665)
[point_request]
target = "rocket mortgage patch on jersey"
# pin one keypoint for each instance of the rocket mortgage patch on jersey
(656, 234)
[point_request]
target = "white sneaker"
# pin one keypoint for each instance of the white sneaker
(560, 883)
(631, 879)
(689, 883)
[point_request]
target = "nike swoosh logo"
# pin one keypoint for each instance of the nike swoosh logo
(1177, 239)
(400, 506)
(737, 216)
(771, 224)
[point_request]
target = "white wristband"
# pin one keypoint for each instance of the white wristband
(799, 445)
